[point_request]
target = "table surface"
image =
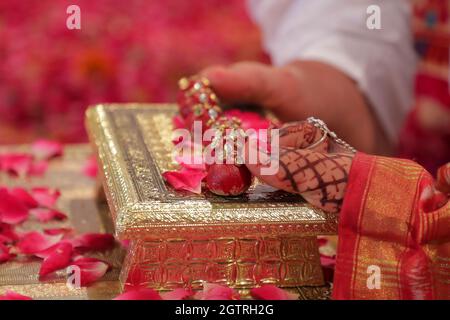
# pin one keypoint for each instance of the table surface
(85, 214)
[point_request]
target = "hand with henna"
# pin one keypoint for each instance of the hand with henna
(319, 174)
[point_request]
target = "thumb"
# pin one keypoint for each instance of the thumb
(247, 82)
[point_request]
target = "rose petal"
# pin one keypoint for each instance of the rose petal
(46, 214)
(186, 179)
(7, 233)
(11, 295)
(59, 258)
(35, 242)
(213, 291)
(270, 292)
(16, 163)
(178, 122)
(94, 242)
(25, 197)
(45, 197)
(139, 294)
(191, 162)
(90, 168)
(91, 269)
(46, 149)
(327, 261)
(55, 231)
(177, 294)
(5, 255)
(12, 210)
(38, 168)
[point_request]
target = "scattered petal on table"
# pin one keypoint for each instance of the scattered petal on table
(47, 149)
(185, 179)
(35, 242)
(47, 214)
(59, 258)
(5, 255)
(90, 168)
(94, 242)
(46, 197)
(91, 269)
(12, 209)
(11, 295)
(24, 196)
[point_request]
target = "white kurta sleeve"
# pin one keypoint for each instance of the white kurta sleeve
(335, 32)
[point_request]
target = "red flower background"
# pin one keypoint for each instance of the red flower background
(132, 50)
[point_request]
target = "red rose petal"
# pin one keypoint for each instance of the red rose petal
(90, 168)
(46, 149)
(4, 253)
(270, 292)
(11, 295)
(186, 179)
(177, 294)
(55, 231)
(46, 214)
(16, 163)
(7, 233)
(45, 197)
(12, 210)
(139, 294)
(213, 291)
(25, 197)
(91, 269)
(191, 162)
(38, 168)
(59, 258)
(35, 242)
(94, 242)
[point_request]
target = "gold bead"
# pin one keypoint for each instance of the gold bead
(183, 83)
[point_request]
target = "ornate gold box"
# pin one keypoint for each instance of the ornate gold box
(182, 239)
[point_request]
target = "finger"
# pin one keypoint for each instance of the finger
(246, 82)
(301, 135)
(320, 178)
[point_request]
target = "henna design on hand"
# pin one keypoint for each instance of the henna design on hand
(320, 178)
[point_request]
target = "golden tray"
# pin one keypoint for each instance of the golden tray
(183, 239)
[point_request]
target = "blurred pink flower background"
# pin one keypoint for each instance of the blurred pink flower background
(126, 51)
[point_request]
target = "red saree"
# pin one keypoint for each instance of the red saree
(392, 220)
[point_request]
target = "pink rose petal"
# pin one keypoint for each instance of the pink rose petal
(35, 242)
(186, 179)
(7, 233)
(5, 255)
(213, 291)
(270, 292)
(46, 197)
(16, 163)
(12, 209)
(177, 294)
(94, 242)
(46, 214)
(59, 258)
(91, 269)
(191, 162)
(11, 295)
(38, 168)
(25, 197)
(139, 294)
(90, 168)
(46, 149)
(55, 231)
